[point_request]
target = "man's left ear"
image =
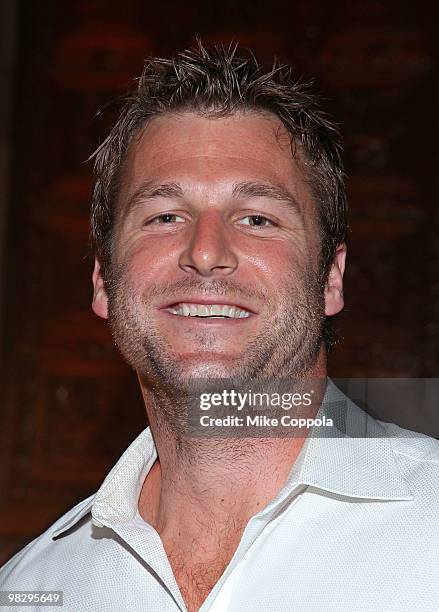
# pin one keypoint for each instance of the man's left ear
(100, 298)
(334, 301)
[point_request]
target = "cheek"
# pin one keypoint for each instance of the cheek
(276, 262)
(148, 259)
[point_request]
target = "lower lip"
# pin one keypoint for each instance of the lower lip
(207, 320)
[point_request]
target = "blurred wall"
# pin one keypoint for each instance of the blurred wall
(8, 69)
(70, 405)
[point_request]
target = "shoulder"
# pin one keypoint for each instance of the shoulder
(417, 456)
(412, 445)
(24, 570)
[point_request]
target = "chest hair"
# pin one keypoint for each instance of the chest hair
(196, 578)
(197, 570)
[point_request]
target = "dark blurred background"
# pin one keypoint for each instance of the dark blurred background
(69, 405)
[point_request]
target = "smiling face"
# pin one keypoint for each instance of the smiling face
(216, 253)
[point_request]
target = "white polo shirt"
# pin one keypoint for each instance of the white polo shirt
(354, 529)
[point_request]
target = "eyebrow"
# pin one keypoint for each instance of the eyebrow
(252, 189)
(150, 190)
(247, 189)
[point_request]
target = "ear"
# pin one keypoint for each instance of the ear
(100, 298)
(334, 301)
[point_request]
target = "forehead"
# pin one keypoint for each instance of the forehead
(212, 153)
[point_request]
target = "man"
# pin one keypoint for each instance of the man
(219, 225)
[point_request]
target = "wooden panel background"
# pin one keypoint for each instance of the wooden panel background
(70, 406)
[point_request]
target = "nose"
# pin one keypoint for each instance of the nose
(209, 252)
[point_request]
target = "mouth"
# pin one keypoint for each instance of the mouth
(208, 310)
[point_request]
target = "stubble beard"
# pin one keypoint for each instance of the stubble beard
(287, 347)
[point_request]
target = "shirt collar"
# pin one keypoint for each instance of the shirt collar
(117, 497)
(354, 458)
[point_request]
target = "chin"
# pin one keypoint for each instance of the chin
(208, 366)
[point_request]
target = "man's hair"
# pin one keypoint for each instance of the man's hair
(214, 83)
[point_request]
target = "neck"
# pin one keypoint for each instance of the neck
(198, 484)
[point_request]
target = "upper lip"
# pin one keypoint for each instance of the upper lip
(208, 301)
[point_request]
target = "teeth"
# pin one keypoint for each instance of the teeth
(212, 310)
(203, 311)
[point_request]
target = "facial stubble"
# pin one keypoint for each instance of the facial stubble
(287, 346)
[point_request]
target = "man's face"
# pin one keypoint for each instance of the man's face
(216, 252)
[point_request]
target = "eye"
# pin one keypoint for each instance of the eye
(165, 219)
(256, 221)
